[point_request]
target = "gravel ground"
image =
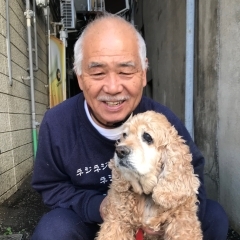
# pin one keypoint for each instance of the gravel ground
(21, 212)
(232, 235)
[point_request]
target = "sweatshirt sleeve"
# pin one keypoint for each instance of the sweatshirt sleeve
(55, 186)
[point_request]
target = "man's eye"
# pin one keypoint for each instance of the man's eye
(125, 73)
(147, 138)
(98, 74)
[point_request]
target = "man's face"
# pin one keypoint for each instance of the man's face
(112, 78)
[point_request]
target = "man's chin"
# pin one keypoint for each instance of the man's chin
(118, 122)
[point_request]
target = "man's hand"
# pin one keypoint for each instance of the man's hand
(103, 207)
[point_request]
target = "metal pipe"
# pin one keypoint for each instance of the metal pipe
(89, 5)
(55, 24)
(132, 12)
(8, 44)
(35, 36)
(189, 75)
(29, 13)
(48, 37)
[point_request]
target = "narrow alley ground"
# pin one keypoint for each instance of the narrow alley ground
(21, 212)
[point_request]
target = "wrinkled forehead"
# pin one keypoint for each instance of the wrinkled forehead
(110, 38)
(115, 27)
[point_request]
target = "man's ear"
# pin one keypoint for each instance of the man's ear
(144, 78)
(80, 82)
(145, 73)
(146, 63)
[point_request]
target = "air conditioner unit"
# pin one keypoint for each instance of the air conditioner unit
(68, 14)
(116, 7)
(81, 6)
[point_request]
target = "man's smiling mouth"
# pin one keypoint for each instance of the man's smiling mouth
(114, 103)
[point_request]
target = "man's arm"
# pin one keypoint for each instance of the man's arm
(55, 186)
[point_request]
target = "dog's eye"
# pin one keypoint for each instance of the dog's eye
(117, 142)
(124, 135)
(147, 137)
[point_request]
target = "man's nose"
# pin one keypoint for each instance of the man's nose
(112, 84)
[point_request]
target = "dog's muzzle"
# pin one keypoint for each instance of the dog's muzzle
(122, 151)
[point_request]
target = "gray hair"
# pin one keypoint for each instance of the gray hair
(78, 48)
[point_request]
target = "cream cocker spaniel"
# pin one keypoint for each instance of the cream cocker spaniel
(153, 183)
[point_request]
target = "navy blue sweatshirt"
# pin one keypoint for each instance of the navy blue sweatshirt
(71, 170)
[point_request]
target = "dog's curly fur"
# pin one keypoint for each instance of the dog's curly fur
(153, 183)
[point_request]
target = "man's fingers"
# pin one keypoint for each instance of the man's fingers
(103, 207)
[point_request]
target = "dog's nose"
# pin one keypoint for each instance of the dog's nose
(122, 151)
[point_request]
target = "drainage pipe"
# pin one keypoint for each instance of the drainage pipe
(8, 44)
(89, 5)
(48, 41)
(35, 36)
(132, 11)
(29, 14)
(189, 75)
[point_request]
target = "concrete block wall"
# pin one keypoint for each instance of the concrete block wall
(16, 151)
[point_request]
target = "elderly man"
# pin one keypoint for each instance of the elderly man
(77, 137)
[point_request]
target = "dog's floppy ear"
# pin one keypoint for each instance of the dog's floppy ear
(177, 180)
(119, 183)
